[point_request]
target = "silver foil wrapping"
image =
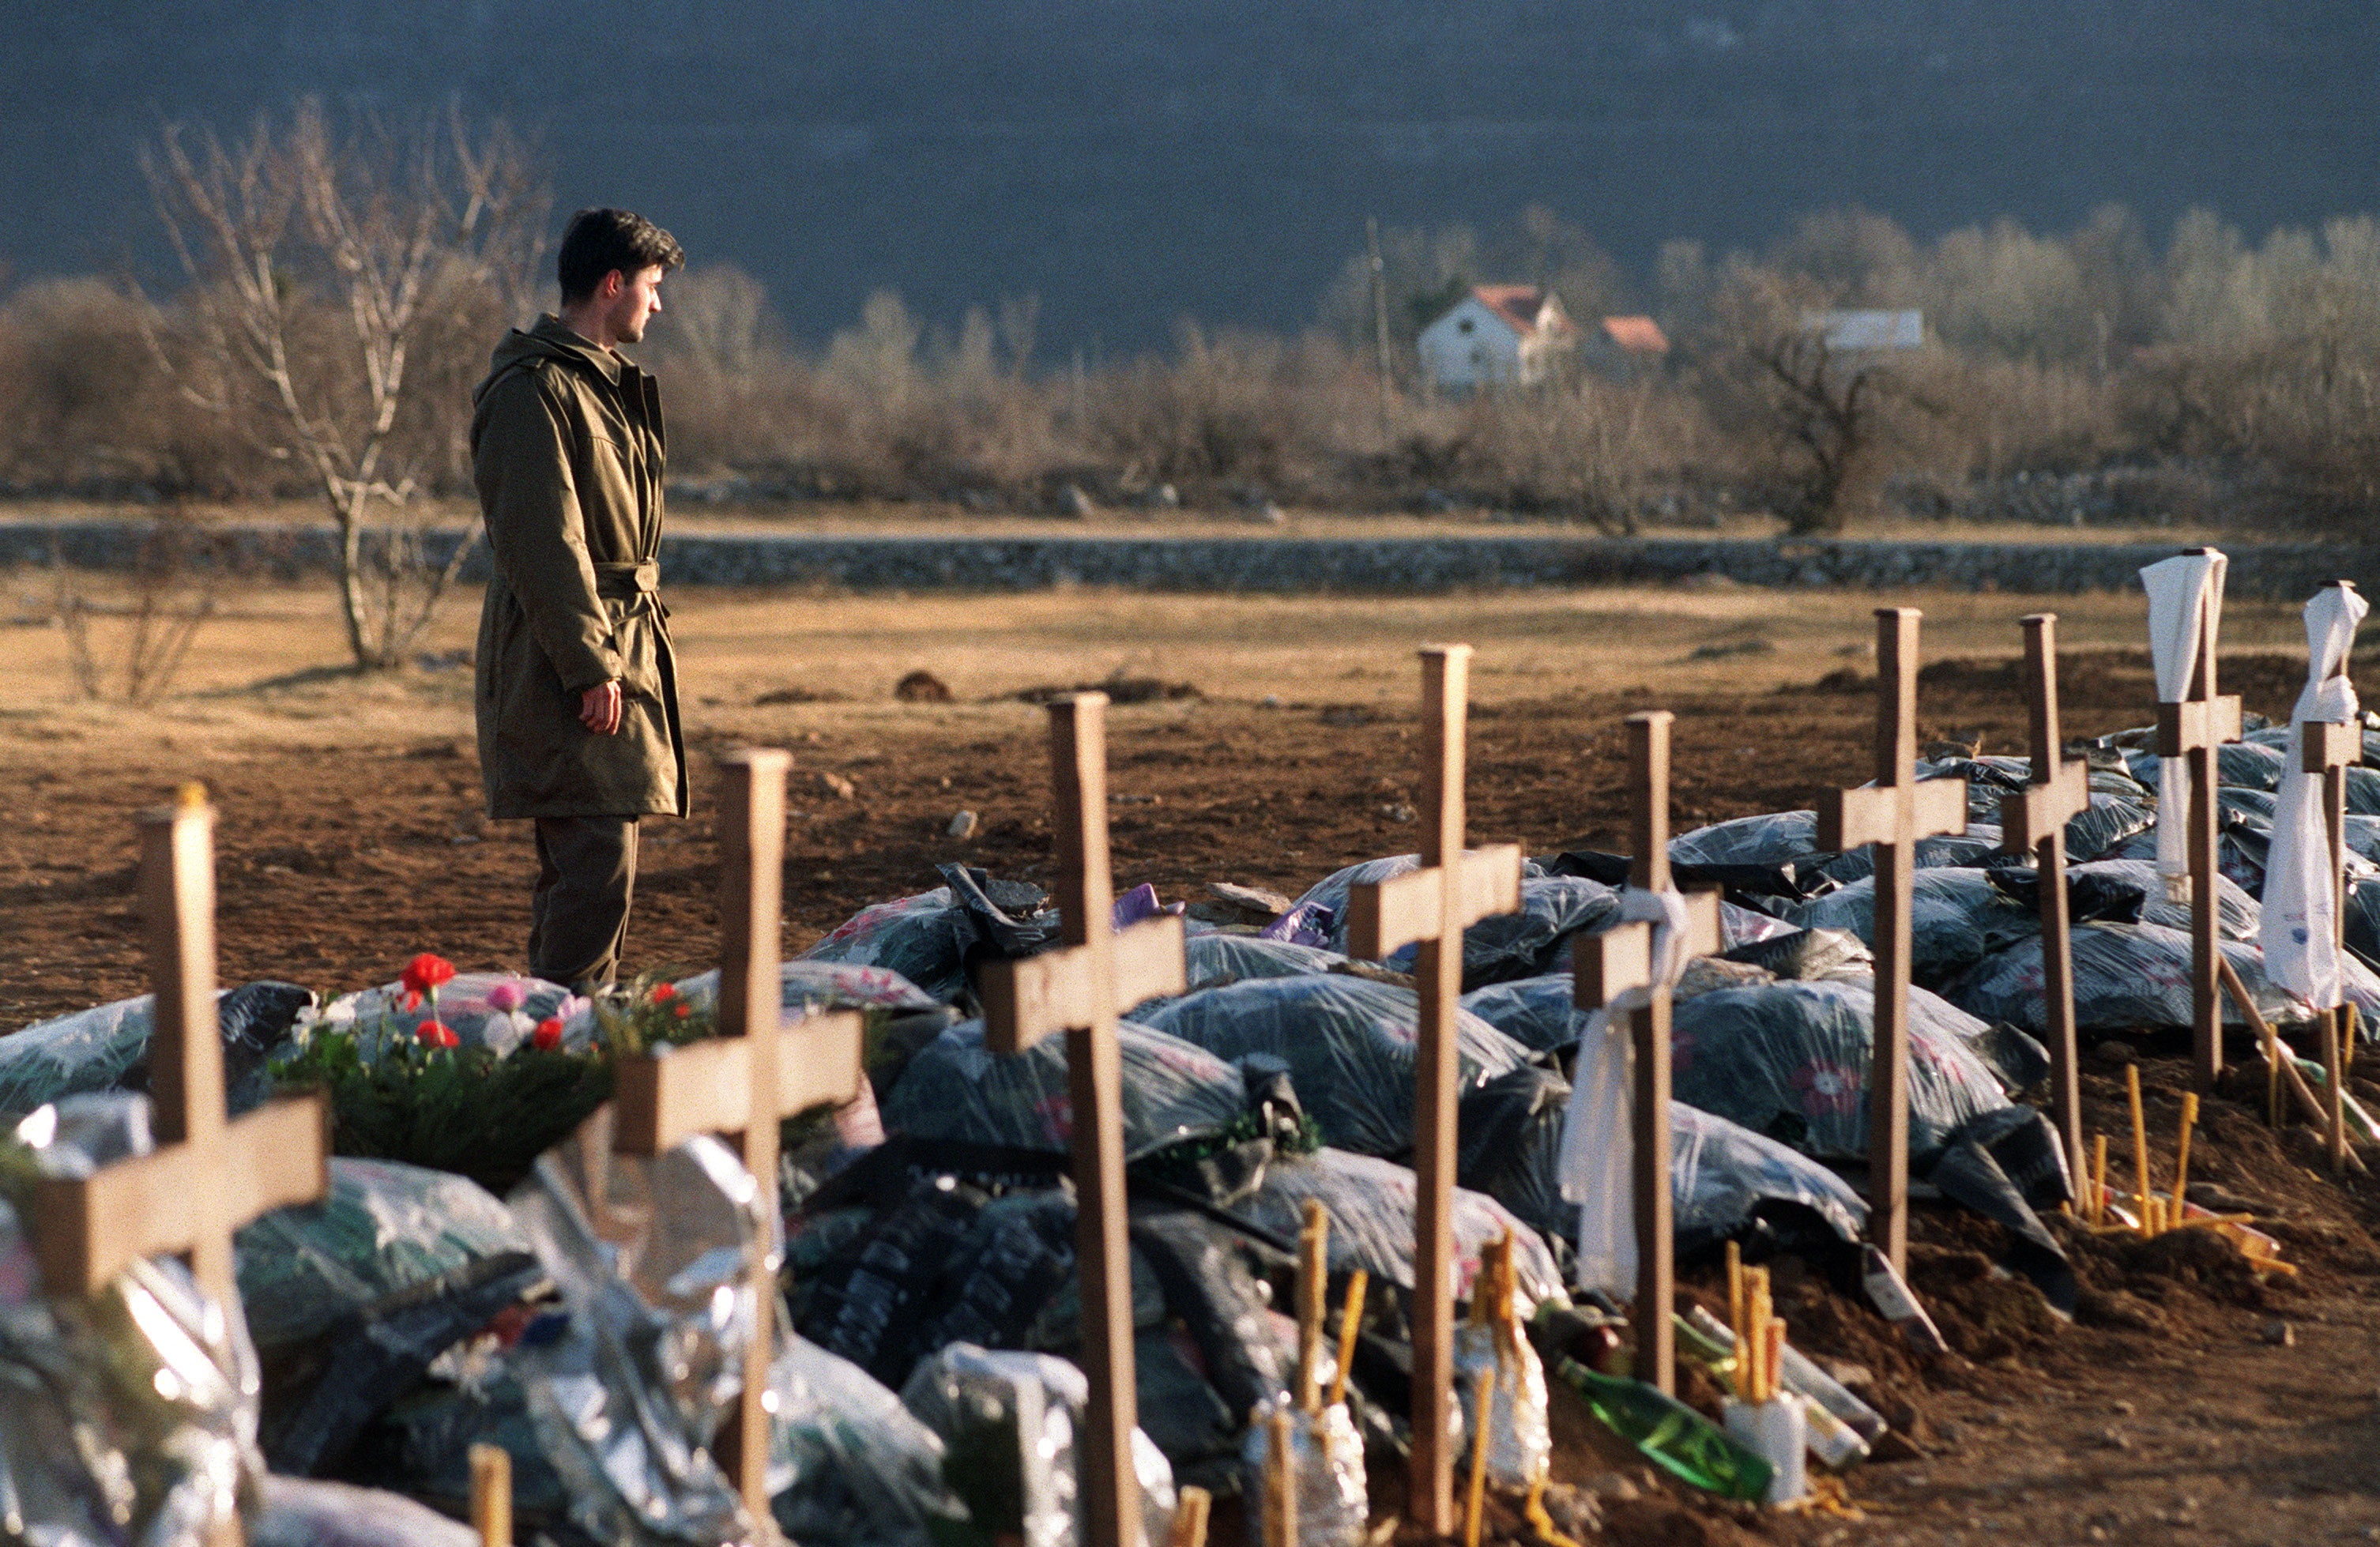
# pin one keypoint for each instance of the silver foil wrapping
(1520, 1436)
(127, 1419)
(652, 1259)
(1326, 1455)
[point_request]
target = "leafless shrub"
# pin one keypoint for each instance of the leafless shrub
(322, 265)
(126, 638)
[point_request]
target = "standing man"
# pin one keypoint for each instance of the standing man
(576, 687)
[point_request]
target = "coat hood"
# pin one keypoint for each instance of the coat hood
(549, 339)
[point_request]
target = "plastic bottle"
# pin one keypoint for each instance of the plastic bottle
(1671, 1435)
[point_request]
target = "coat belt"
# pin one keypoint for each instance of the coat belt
(619, 582)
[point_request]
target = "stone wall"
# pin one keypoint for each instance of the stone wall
(1284, 563)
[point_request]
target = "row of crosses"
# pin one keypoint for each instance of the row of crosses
(209, 1176)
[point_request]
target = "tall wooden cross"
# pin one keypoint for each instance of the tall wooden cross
(1081, 990)
(2328, 748)
(2196, 728)
(2034, 822)
(1431, 907)
(1893, 814)
(756, 1071)
(208, 1174)
(1620, 960)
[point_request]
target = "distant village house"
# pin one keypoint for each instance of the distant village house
(1625, 348)
(1497, 335)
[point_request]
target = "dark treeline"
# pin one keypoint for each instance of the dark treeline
(2107, 372)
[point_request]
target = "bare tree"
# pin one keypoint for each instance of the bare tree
(319, 260)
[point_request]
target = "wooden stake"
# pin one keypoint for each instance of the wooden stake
(1350, 1324)
(2182, 1154)
(2308, 1102)
(1618, 961)
(1081, 990)
(1190, 1517)
(2034, 823)
(2099, 1180)
(1282, 1462)
(208, 1174)
(2139, 1147)
(1482, 1411)
(491, 1495)
(1735, 1317)
(1431, 907)
(755, 1073)
(1892, 815)
(1312, 1286)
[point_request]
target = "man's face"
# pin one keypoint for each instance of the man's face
(639, 301)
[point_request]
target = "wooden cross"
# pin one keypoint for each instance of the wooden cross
(1893, 814)
(1431, 907)
(1081, 990)
(1620, 960)
(2196, 728)
(2034, 822)
(208, 1174)
(718, 1085)
(2328, 748)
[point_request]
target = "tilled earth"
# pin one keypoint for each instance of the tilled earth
(2194, 1403)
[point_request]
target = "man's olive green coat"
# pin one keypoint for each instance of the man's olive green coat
(567, 450)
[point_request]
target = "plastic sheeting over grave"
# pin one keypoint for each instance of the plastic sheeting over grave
(958, 1089)
(1349, 1043)
(130, 1414)
(1505, 946)
(106, 1047)
(2131, 975)
(385, 1227)
(848, 1465)
(1370, 1202)
(924, 938)
(1790, 1060)
(1009, 1422)
(1211, 961)
(806, 985)
(299, 1513)
(1956, 917)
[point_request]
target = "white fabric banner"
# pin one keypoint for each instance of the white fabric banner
(2181, 591)
(2301, 928)
(1599, 1154)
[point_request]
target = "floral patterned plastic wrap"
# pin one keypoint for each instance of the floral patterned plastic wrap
(924, 938)
(957, 1088)
(652, 1258)
(805, 987)
(1371, 1206)
(1790, 1059)
(129, 1416)
(847, 1463)
(1325, 1460)
(1211, 960)
(1349, 1044)
(1008, 1421)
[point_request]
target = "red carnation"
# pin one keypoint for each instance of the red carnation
(437, 1033)
(663, 991)
(425, 972)
(685, 1010)
(547, 1034)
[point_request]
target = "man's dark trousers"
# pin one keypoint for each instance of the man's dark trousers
(579, 917)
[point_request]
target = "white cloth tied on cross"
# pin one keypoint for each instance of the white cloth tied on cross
(2300, 924)
(2181, 591)
(1599, 1154)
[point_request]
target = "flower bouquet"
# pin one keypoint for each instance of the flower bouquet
(405, 1086)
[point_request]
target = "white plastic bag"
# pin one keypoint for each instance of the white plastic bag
(2181, 589)
(1599, 1157)
(2301, 920)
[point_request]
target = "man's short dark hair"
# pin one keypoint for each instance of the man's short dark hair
(599, 241)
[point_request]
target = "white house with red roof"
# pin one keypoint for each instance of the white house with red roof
(1497, 335)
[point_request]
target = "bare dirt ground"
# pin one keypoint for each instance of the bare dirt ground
(351, 839)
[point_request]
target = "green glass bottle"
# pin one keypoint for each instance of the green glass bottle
(1673, 1435)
